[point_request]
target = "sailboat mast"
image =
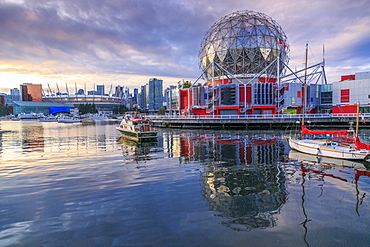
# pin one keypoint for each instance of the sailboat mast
(304, 86)
(357, 118)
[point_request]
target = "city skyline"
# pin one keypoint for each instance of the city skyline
(128, 42)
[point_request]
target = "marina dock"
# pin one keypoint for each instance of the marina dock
(278, 121)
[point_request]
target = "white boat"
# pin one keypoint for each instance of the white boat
(29, 116)
(137, 129)
(325, 161)
(68, 120)
(328, 148)
(88, 119)
(99, 117)
(7, 117)
(48, 119)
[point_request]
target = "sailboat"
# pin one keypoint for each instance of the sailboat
(309, 159)
(328, 148)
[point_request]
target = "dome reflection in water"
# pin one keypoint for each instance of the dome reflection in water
(243, 182)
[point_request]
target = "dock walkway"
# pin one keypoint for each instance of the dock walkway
(279, 121)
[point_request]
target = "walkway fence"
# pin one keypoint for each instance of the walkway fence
(264, 116)
(335, 120)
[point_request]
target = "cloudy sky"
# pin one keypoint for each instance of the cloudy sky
(127, 42)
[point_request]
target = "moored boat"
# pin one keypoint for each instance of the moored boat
(315, 160)
(327, 147)
(48, 119)
(29, 116)
(68, 120)
(137, 129)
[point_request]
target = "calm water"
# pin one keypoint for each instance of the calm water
(81, 185)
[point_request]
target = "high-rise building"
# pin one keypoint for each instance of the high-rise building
(171, 98)
(136, 92)
(14, 91)
(155, 94)
(14, 96)
(31, 92)
(142, 97)
(119, 92)
(147, 96)
(139, 100)
(100, 90)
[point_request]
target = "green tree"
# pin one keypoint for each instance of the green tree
(93, 108)
(4, 110)
(184, 84)
(87, 108)
(161, 111)
(121, 109)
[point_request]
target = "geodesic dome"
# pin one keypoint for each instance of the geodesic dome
(244, 43)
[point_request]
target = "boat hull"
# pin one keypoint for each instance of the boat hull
(48, 120)
(320, 148)
(321, 160)
(138, 136)
(65, 120)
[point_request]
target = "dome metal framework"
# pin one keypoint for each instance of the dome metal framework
(244, 43)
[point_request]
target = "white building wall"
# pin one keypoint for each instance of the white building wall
(362, 75)
(359, 91)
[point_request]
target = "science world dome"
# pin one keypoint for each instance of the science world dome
(244, 43)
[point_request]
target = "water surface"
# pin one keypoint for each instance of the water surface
(82, 185)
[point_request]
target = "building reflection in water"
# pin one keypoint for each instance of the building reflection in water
(32, 138)
(242, 179)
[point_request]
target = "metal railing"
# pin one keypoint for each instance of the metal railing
(260, 116)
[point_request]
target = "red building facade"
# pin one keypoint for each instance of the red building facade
(229, 97)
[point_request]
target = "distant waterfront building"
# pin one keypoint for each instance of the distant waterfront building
(138, 100)
(136, 92)
(102, 102)
(31, 92)
(147, 96)
(41, 107)
(142, 97)
(80, 92)
(171, 98)
(155, 94)
(127, 92)
(100, 90)
(13, 96)
(15, 92)
(119, 92)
